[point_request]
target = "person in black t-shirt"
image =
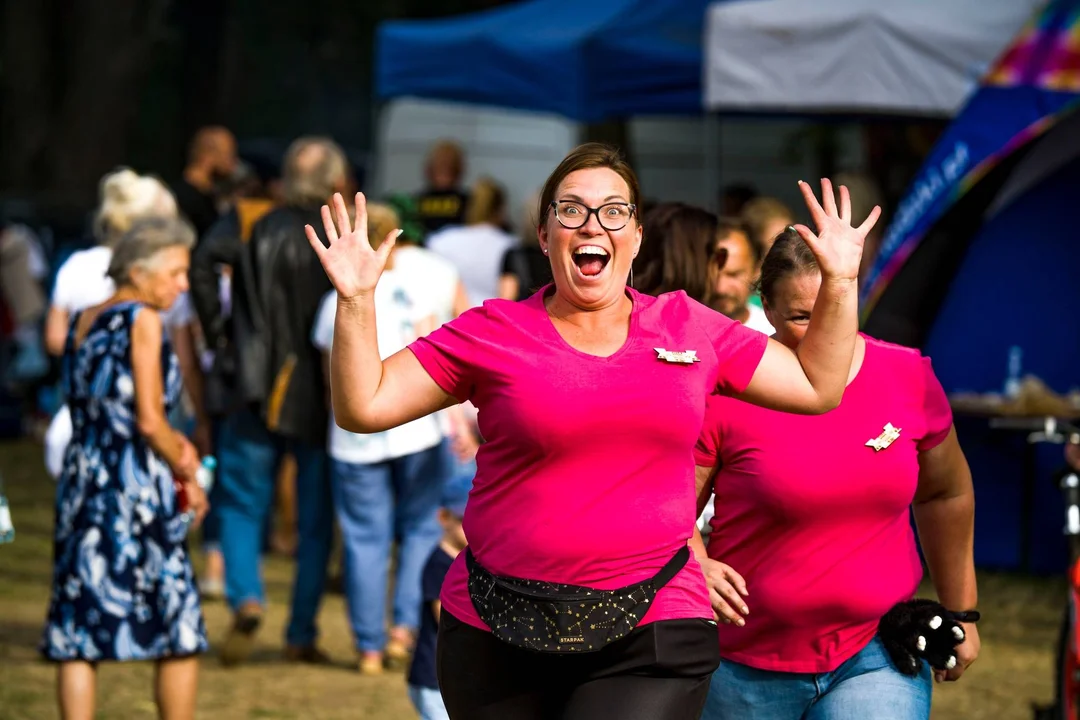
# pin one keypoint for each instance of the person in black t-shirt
(443, 202)
(211, 161)
(525, 268)
(423, 679)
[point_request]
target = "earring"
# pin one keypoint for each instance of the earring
(631, 276)
(545, 251)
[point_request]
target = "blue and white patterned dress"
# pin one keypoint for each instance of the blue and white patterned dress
(123, 588)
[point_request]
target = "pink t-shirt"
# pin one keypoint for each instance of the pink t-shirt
(816, 521)
(587, 473)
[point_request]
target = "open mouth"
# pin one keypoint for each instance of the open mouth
(591, 260)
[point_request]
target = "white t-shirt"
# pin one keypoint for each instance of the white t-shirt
(477, 252)
(81, 282)
(758, 321)
(432, 279)
(397, 315)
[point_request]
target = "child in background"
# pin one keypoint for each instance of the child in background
(423, 683)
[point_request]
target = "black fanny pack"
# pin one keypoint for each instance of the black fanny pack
(558, 618)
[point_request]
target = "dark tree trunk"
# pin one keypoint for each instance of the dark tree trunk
(109, 55)
(26, 85)
(202, 25)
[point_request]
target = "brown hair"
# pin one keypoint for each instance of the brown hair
(487, 203)
(728, 226)
(758, 213)
(587, 157)
(789, 256)
(677, 246)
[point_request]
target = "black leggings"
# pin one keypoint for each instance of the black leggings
(659, 671)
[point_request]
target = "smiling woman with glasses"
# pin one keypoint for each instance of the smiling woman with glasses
(591, 396)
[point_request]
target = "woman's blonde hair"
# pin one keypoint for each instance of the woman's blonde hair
(487, 203)
(124, 197)
(530, 219)
(381, 220)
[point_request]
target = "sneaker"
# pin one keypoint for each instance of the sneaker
(306, 654)
(212, 590)
(396, 654)
(370, 663)
(241, 638)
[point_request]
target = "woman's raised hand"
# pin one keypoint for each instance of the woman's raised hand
(350, 262)
(838, 246)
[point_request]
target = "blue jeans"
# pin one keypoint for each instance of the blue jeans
(248, 459)
(377, 504)
(428, 703)
(866, 687)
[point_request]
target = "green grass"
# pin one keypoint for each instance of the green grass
(1018, 632)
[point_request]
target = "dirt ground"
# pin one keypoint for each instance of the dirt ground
(1019, 627)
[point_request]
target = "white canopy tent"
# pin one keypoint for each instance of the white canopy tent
(911, 58)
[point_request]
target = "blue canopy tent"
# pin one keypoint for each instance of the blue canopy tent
(983, 255)
(587, 61)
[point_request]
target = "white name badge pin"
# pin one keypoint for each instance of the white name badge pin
(686, 357)
(885, 439)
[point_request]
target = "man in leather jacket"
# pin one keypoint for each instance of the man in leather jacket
(266, 388)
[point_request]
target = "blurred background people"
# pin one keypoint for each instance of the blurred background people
(212, 163)
(443, 200)
(478, 247)
(733, 283)
(525, 268)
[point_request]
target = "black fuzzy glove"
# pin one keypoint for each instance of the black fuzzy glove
(922, 630)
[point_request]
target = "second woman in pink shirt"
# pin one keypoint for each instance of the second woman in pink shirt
(812, 519)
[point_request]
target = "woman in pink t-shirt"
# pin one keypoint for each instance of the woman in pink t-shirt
(813, 514)
(590, 399)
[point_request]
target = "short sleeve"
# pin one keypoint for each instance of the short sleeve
(936, 409)
(63, 286)
(707, 448)
(507, 265)
(738, 349)
(451, 353)
(322, 332)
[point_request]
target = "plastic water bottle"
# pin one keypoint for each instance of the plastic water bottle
(7, 530)
(204, 476)
(1012, 380)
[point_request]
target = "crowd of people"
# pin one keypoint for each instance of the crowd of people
(625, 458)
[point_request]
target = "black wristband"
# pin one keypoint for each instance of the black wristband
(966, 616)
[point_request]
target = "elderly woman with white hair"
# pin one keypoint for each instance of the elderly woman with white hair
(123, 587)
(82, 281)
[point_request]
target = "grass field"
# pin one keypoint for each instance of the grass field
(1018, 632)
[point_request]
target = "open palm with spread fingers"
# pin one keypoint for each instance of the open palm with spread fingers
(350, 262)
(838, 246)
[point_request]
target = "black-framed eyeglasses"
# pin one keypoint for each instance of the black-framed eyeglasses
(611, 216)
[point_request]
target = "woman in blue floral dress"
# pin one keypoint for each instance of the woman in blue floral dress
(123, 588)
